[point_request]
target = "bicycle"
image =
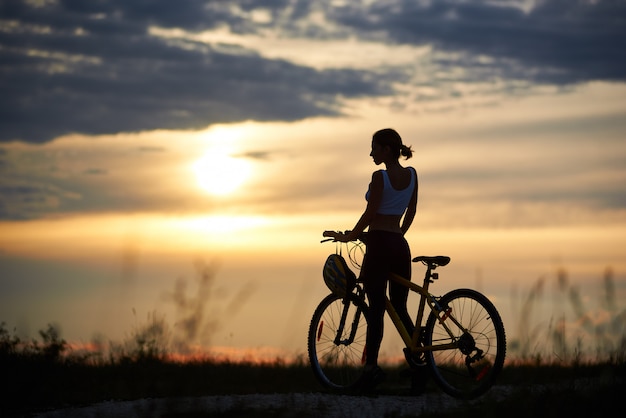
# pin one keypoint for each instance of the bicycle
(462, 344)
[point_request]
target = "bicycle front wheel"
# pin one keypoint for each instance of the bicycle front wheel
(472, 323)
(336, 341)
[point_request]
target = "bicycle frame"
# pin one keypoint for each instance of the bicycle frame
(412, 342)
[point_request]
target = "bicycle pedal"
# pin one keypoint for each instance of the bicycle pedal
(415, 360)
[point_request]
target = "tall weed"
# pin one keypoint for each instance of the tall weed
(570, 330)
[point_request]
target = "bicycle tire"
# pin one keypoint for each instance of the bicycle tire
(464, 372)
(337, 366)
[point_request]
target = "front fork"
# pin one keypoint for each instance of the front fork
(342, 323)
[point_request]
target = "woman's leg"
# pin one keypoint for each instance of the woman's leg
(386, 252)
(373, 274)
(398, 294)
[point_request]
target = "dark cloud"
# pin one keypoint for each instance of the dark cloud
(151, 149)
(29, 199)
(255, 155)
(95, 172)
(557, 41)
(93, 67)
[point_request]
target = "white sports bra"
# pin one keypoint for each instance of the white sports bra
(394, 201)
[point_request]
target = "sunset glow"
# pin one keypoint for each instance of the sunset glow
(207, 155)
(219, 173)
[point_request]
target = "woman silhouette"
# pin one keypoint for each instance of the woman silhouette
(391, 206)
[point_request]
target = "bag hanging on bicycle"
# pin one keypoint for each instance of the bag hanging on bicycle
(338, 276)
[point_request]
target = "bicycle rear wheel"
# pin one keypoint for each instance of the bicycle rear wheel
(470, 369)
(336, 341)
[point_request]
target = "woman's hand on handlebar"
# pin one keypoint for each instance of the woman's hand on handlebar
(336, 235)
(344, 236)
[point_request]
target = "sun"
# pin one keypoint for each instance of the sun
(219, 173)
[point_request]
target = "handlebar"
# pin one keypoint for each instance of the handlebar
(333, 236)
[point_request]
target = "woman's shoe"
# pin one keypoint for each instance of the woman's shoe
(369, 379)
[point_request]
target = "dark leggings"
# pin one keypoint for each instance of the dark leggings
(387, 252)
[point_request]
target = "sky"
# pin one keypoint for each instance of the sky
(180, 160)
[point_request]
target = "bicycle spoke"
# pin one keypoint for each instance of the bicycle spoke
(470, 369)
(337, 359)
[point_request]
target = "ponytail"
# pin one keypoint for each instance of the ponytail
(406, 151)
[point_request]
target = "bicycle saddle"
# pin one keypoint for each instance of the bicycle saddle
(438, 260)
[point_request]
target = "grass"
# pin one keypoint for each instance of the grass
(45, 376)
(50, 385)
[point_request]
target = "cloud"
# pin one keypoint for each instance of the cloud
(71, 67)
(29, 199)
(515, 164)
(255, 155)
(555, 42)
(98, 67)
(120, 66)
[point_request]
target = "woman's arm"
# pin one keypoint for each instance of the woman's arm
(373, 203)
(410, 210)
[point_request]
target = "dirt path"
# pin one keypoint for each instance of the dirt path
(298, 404)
